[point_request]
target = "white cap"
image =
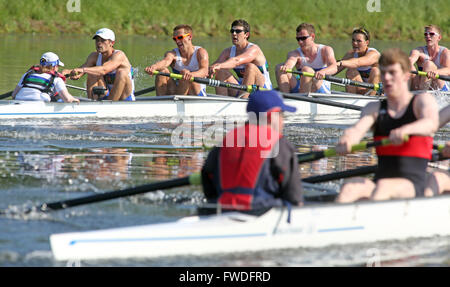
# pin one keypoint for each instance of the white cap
(106, 34)
(50, 58)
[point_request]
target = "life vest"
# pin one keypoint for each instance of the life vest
(33, 80)
(244, 180)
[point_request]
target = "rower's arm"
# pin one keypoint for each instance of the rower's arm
(168, 59)
(222, 57)
(426, 111)
(16, 90)
(369, 59)
(445, 63)
(292, 59)
(329, 59)
(109, 66)
(203, 63)
(413, 58)
(18, 87)
(247, 57)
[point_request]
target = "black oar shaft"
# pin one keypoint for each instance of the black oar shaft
(350, 82)
(115, 194)
(144, 91)
(6, 95)
(322, 101)
(341, 174)
(340, 80)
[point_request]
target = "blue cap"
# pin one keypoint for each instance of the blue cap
(263, 101)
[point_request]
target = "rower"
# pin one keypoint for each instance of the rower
(43, 82)
(361, 63)
(431, 58)
(187, 60)
(255, 167)
(108, 68)
(246, 59)
(401, 166)
(439, 181)
(309, 57)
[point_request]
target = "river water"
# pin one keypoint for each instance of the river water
(51, 160)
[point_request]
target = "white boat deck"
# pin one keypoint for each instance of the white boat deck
(168, 106)
(309, 226)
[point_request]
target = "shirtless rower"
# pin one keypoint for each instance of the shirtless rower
(187, 60)
(401, 166)
(245, 58)
(108, 68)
(361, 63)
(431, 58)
(309, 57)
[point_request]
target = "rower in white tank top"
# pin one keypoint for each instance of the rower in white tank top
(109, 78)
(437, 62)
(192, 66)
(239, 70)
(317, 64)
(364, 71)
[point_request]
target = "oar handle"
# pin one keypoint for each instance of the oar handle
(212, 82)
(440, 77)
(329, 78)
(307, 157)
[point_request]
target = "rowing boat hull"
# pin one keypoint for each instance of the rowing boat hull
(168, 106)
(311, 226)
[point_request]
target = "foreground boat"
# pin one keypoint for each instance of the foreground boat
(309, 226)
(169, 106)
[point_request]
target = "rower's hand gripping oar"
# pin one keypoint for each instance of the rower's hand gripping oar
(440, 77)
(212, 82)
(376, 87)
(315, 155)
(253, 88)
(193, 179)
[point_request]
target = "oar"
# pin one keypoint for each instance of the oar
(343, 81)
(315, 155)
(193, 179)
(341, 174)
(6, 95)
(212, 82)
(252, 88)
(440, 77)
(144, 91)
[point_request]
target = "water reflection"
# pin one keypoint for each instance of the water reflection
(162, 165)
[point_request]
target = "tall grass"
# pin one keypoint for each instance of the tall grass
(401, 20)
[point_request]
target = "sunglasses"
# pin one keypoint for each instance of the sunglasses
(431, 34)
(181, 37)
(236, 30)
(302, 38)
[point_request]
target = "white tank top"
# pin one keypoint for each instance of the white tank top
(193, 64)
(436, 60)
(365, 68)
(241, 68)
(317, 64)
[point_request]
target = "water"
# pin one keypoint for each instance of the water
(52, 160)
